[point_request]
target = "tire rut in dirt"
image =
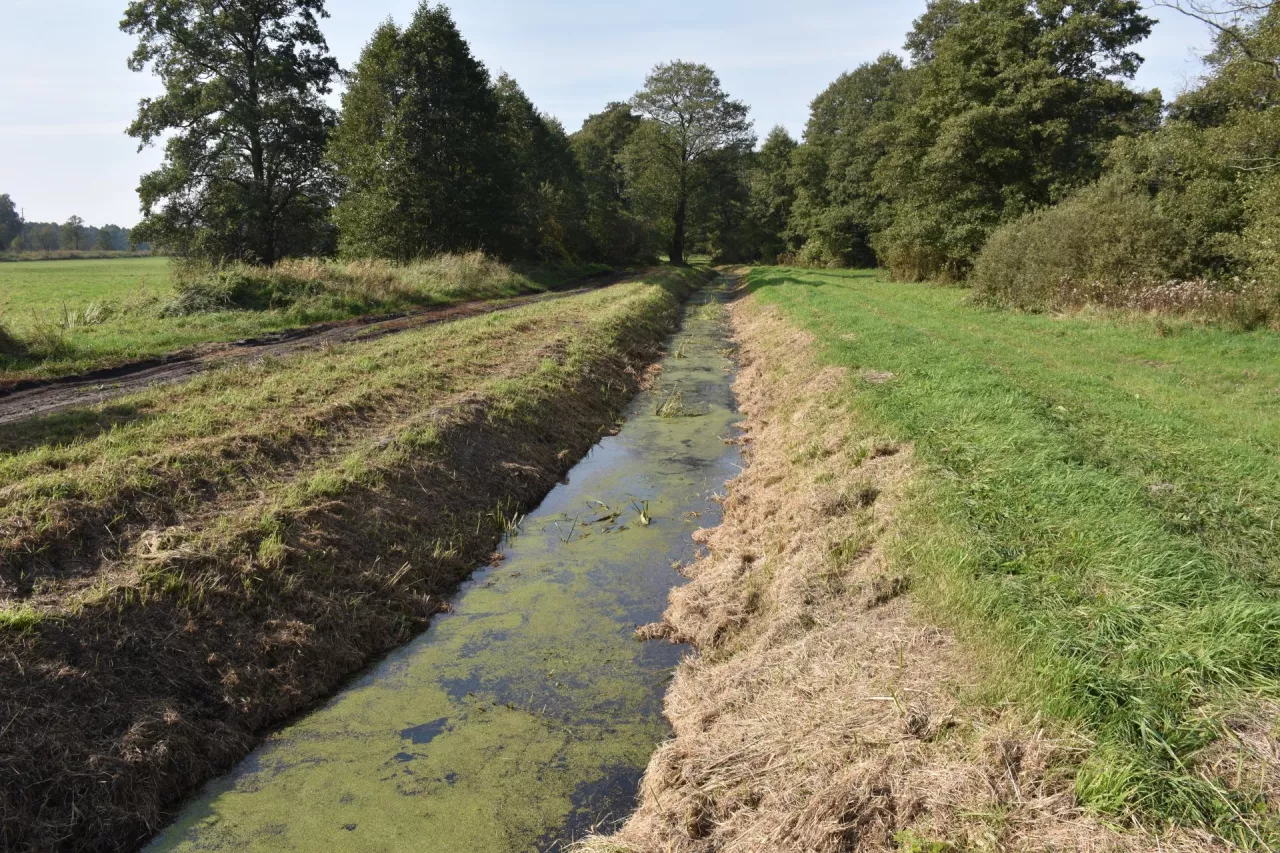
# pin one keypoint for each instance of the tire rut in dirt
(27, 400)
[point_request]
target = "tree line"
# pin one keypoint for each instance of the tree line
(427, 154)
(1010, 149)
(1003, 122)
(20, 235)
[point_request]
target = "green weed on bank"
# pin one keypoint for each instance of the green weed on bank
(1097, 517)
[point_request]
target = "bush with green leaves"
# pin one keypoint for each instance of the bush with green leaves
(1105, 235)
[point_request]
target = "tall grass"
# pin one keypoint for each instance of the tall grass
(441, 279)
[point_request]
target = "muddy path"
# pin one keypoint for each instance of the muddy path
(20, 401)
(524, 717)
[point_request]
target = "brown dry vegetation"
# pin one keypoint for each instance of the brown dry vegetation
(183, 569)
(822, 712)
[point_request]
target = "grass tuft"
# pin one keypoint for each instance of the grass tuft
(19, 618)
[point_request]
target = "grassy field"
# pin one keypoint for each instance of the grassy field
(44, 287)
(257, 534)
(72, 316)
(1096, 517)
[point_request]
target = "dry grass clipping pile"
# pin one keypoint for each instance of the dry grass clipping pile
(821, 712)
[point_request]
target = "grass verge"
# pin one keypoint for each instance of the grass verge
(190, 566)
(1096, 517)
(81, 315)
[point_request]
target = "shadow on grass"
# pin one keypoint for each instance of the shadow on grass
(763, 277)
(64, 428)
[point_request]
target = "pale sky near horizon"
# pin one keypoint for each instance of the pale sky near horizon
(67, 94)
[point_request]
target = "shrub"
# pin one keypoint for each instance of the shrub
(1112, 246)
(1096, 245)
(927, 244)
(814, 254)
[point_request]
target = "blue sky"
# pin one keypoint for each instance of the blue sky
(67, 95)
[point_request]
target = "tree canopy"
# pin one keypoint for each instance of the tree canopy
(246, 126)
(419, 150)
(614, 229)
(10, 221)
(690, 119)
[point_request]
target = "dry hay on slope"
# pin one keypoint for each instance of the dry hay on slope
(822, 712)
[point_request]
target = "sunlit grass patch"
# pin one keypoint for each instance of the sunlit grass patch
(19, 617)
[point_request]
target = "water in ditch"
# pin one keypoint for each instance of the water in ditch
(525, 716)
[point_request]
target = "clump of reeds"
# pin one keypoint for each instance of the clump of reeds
(673, 405)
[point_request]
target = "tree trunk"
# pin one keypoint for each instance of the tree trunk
(265, 224)
(677, 239)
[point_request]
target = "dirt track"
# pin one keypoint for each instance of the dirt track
(24, 400)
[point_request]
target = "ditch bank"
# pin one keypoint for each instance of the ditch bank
(199, 638)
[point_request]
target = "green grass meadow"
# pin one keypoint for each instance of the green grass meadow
(43, 286)
(1096, 514)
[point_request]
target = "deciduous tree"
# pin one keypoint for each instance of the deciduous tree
(246, 122)
(773, 193)
(10, 221)
(419, 150)
(690, 119)
(72, 233)
(1016, 105)
(837, 203)
(546, 187)
(616, 232)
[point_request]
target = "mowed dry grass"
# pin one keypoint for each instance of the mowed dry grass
(823, 711)
(184, 568)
